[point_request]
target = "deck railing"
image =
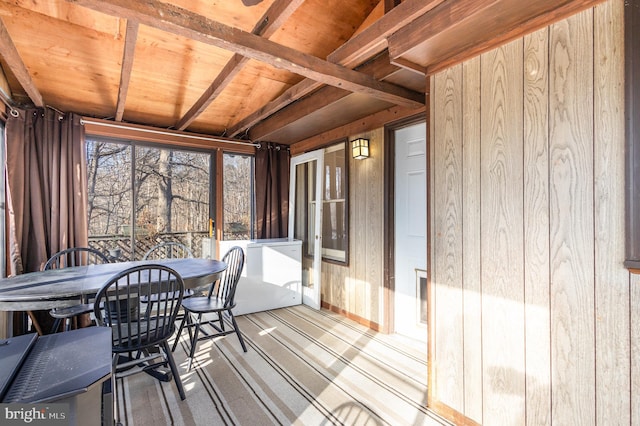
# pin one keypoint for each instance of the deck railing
(119, 246)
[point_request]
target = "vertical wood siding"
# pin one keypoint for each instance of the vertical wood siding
(612, 291)
(471, 249)
(447, 193)
(501, 229)
(535, 319)
(357, 288)
(536, 228)
(571, 219)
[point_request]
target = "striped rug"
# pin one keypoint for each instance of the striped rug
(303, 367)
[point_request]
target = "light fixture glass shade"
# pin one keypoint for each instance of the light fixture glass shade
(360, 148)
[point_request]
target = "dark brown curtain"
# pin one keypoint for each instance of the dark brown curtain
(46, 187)
(272, 191)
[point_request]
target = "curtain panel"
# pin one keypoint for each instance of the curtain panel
(272, 191)
(46, 186)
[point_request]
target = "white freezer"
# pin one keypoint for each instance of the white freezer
(272, 275)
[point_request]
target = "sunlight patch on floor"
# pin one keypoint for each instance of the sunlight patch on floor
(267, 331)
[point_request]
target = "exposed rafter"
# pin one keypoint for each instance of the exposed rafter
(450, 13)
(289, 96)
(273, 19)
(408, 65)
(12, 57)
(188, 24)
(365, 45)
(379, 68)
(183, 76)
(127, 65)
(373, 40)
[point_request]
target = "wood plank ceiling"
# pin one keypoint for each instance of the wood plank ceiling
(260, 70)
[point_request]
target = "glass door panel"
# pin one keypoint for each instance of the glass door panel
(305, 220)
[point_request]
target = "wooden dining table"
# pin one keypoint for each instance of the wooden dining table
(57, 288)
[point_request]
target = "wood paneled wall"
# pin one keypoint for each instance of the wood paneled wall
(356, 289)
(534, 319)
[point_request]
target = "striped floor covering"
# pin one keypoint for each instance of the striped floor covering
(303, 367)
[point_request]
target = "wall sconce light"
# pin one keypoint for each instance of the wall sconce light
(360, 148)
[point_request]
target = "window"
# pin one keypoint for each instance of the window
(334, 210)
(238, 172)
(163, 195)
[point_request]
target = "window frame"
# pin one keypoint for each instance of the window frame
(215, 196)
(334, 146)
(252, 192)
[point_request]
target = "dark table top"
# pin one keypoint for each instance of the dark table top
(65, 286)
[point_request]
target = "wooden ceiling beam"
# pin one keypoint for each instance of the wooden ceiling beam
(390, 4)
(548, 17)
(373, 40)
(182, 22)
(379, 68)
(274, 17)
(360, 48)
(289, 96)
(449, 14)
(12, 58)
(410, 66)
(127, 65)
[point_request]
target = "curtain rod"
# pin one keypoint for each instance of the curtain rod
(161, 132)
(5, 100)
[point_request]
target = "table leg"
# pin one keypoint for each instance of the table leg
(35, 323)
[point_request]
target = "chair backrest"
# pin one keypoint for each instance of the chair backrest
(76, 256)
(168, 250)
(118, 306)
(225, 287)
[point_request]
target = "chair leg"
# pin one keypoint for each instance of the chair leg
(175, 343)
(174, 370)
(56, 326)
(189, 326)
(237, 329)
(194, 341)
(221, 321)
(114, 389)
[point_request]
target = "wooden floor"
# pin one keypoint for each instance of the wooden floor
(302, 367)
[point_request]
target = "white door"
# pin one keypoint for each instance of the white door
(411, 231)
(305, 224)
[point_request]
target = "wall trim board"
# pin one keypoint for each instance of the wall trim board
(360, 320)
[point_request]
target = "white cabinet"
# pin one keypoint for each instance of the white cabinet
(272, 275)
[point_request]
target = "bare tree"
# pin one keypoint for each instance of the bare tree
(171, 189)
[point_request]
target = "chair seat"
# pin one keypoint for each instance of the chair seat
(71, 311)
(199, 305)
(74, 256)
